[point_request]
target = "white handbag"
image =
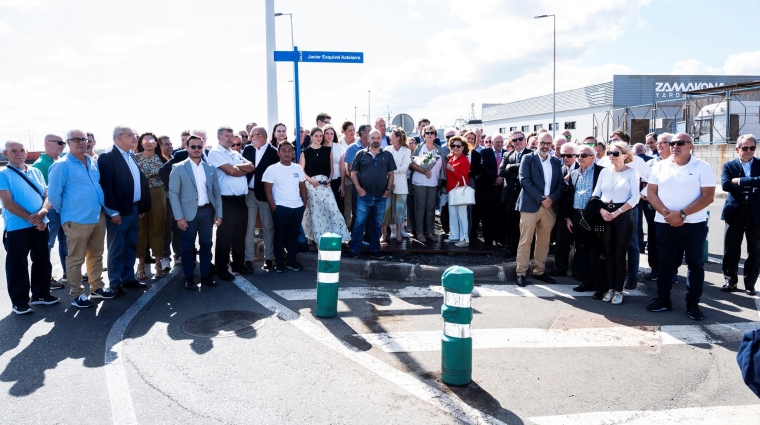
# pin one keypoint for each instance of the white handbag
(462, 195)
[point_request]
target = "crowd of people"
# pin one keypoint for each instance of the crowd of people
(151, 203)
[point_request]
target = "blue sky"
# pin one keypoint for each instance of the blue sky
(164, 66)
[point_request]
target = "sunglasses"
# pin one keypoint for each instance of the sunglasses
(456, 146)
(584, 155)
(518, 139)
(488, 142)
(743, 148)
(78, 140)
(449, 136)
(613, 153)
(236, 144)
(679, 142)
(568, 155)
(430, 133)
(195, 147)
(61, 142)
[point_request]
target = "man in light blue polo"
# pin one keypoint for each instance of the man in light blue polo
(75, 192)
(23, 193)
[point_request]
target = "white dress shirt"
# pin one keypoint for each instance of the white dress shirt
(200, 182)
(259, 154)
(546, 164)
(134, 169)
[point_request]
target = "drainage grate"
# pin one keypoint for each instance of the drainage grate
(221, 324)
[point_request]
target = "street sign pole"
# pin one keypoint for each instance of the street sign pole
(307, 56)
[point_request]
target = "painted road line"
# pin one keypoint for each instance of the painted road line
(446, 402)
(432, 291)
(122, 409)
(748, 414)
(619, 336)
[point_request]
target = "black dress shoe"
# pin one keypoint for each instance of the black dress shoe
(728, 288)
(268, 266)
(242, 270)
(190, 284)
(751, 291)
(207, 281)
(135, 284)
(226, 275)
(598, 295)
(248, 264)
(544, 278)
(631, 284)
(582, 288)
(557, 273)
(521, 281)
(118, 291)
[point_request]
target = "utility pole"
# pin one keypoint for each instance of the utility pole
(389, 114)
(368, 107)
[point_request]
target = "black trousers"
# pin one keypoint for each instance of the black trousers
(494, 218)
(335, 185)
(20, 244)
(231, 234)
(617, 235)
(287, 226)
(586, 261)
(563, 241)
(691, 237)
(742, 225)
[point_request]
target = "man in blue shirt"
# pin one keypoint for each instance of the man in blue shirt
(25, 206)
(76, 194)
(361, 143)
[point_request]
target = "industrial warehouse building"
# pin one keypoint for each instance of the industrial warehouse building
(636, 103)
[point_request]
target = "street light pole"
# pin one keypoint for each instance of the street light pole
(368, 107)
(272, 106)
(291, 26)
(554, 74)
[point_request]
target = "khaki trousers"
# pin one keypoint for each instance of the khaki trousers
(152, 226)
(261, 209)
(86, 242)
(539, 223)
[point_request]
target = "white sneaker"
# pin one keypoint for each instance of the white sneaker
(404, 234)
(165, 264)
(607, 297)
(617, 299)
(462, 243)
(393, 232)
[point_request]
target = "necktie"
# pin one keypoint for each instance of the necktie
(498, 160)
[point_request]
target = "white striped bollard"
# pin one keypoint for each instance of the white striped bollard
(456, 342)
(328, 268)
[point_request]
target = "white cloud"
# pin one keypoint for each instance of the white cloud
(5, 28)
(148, 37)
(23, 5)
(693, 67)
(747, 63)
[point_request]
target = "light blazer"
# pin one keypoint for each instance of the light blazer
(532, 181)
(183, 193)
(735, 196)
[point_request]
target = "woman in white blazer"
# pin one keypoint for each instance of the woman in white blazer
(395, 208)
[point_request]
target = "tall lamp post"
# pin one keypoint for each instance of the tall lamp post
(291, 25)
(554, 72)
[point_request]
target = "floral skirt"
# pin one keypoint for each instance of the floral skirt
(322, 214)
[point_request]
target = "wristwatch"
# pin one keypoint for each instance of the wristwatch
(683, 215)
(387, 190)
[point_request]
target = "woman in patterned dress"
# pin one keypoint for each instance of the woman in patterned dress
(322, 214)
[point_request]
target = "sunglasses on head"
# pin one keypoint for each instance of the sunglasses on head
(430, 133)
(613, 153)
(678, 142)
(568, 155)
(518, 139)
(743, 148)
(195, 147)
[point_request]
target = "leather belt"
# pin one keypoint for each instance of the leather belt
(200, 207)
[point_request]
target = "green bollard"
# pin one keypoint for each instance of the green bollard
(328, 268)
(456, 343)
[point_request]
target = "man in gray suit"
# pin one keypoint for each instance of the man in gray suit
(197, 206)
(542, 183)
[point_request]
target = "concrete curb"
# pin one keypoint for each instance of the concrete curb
(404, 272)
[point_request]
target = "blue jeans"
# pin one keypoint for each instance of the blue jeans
(691, 237)
(56, 231)
(122, 248)
(363, 206)
(633, 248)
(202, 226)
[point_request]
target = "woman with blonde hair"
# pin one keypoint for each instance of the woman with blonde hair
(395, 207)
(618, 190)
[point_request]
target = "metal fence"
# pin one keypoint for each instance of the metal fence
(719, 116)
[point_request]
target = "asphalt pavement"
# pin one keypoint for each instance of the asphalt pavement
(252, 351)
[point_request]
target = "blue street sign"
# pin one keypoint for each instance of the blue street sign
(302, 56)
(332, 57)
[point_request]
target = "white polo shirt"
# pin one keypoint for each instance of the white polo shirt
(228, 185)
(679, 186)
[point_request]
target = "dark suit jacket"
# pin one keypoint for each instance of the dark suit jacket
(270, 157)
(735, 193)
(570, 194)
(532, 182)
(644, 156)
(509, 169)
(490, 167)
(118, 186)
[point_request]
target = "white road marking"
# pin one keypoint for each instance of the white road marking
(122, 410)
(618, 336)
(432, 291)
(748, 414)
(446, 402)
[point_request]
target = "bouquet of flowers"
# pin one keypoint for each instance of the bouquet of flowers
(426, 161)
